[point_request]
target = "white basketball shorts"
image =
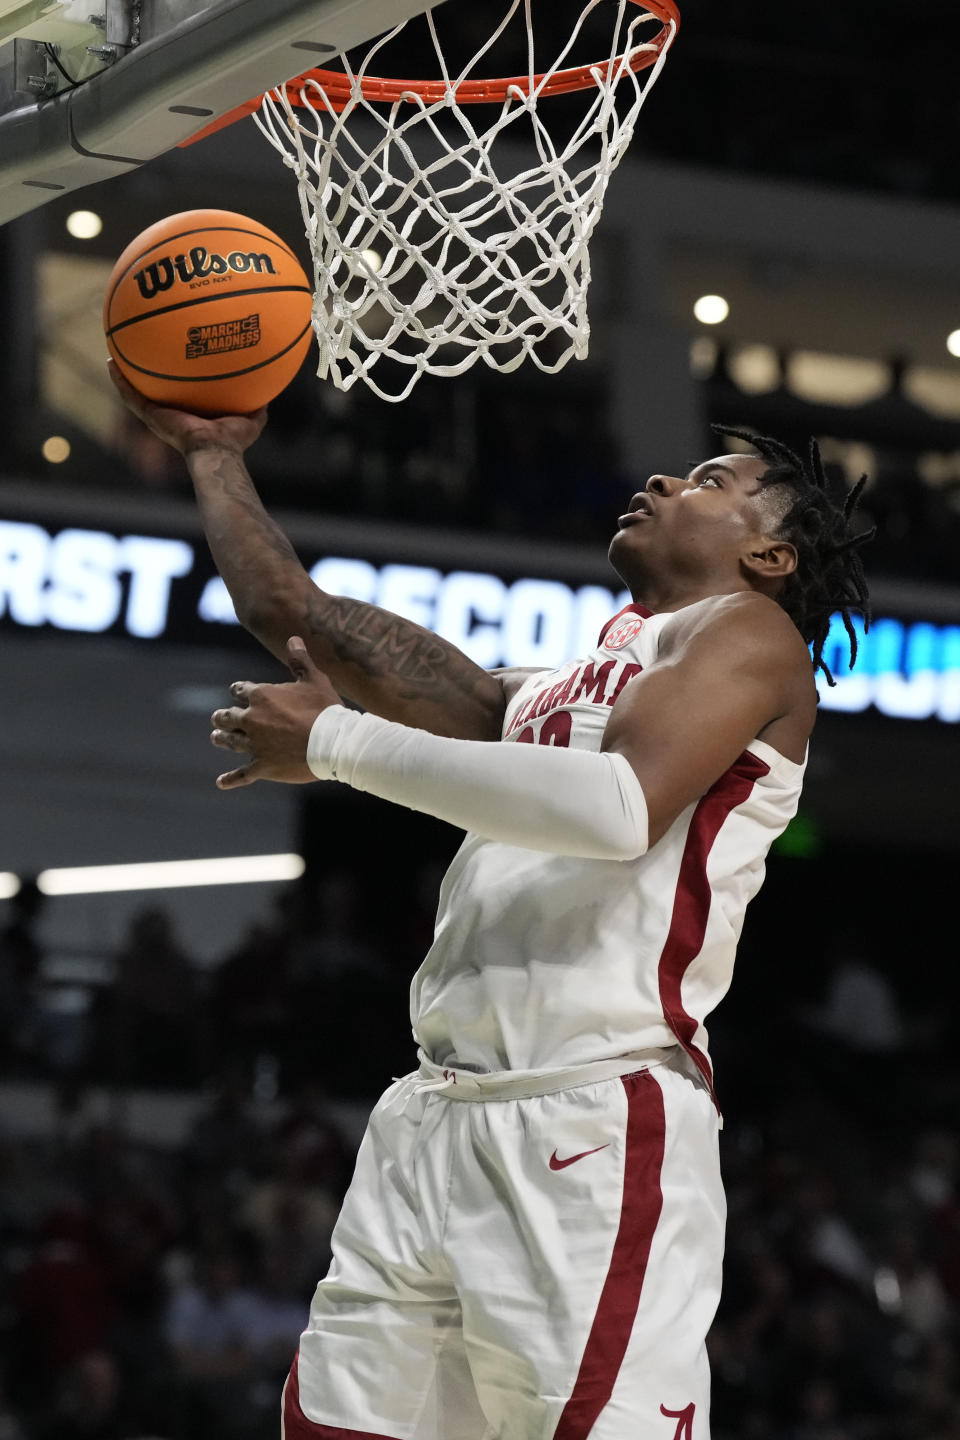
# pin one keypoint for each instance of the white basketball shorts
(521, 1266)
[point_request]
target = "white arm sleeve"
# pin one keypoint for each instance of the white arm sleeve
(569, 802)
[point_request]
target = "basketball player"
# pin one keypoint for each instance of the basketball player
(531, 1245)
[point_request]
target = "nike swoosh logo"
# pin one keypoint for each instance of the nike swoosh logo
(556, 1164)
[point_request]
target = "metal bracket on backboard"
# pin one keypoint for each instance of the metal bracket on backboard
(122, 22)
(170, 85)
(31, 68)
(55, 47)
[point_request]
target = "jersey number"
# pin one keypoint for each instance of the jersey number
(555, 730)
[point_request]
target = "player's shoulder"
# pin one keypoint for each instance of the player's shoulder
(747, 626)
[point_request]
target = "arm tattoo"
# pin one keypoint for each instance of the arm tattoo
(381, 643)
(236, 487)
(396, 659)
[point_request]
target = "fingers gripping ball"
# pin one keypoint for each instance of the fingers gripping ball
(209, 312)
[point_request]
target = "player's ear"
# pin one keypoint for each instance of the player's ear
(768, 559)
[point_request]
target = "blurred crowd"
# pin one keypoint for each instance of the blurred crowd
(845, 93)
(150, 1017)
(842, 1281)
(158, 1289)
(154, 1288)
(476, 456)
(828, 93)
(534, 459)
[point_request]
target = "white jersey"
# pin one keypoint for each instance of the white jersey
(541, 961)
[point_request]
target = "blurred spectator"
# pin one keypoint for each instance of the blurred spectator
(87, 1401)
(935, 1388)
(860, 1008)
(250, 1001)
(206, 1328)
(64, 1300)
(292, 1210)
(276, 1315)
(33, 1185)
(10, 1427)
(823, 1239)
(946, 1228)
(950, 1427)
(152, 1017)
(312, 1133)
(860, 1017)
(225, 1140)
(139, 1226)
(345, 994)
(329, 943)
(206, 1319)
(21, 956)
(933, 1179)
(920, 1299)
(819, 1413)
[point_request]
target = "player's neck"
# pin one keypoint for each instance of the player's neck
(667, 595)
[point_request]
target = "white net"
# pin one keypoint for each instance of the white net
(438, 241)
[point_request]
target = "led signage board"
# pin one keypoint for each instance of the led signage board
(153, 588)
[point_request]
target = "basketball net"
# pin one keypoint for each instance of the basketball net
(435, 244)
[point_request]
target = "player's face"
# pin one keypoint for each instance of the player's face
(692, 523)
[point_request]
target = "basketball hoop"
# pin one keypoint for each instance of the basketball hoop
(429, 249)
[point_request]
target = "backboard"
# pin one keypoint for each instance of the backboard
(90, 89)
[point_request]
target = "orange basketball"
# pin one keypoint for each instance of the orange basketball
(208, 311)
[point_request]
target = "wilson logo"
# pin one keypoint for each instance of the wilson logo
(198, 264)
(227, 335)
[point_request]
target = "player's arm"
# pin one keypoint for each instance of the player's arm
(686, 721)
(384, 663)
(724, 679)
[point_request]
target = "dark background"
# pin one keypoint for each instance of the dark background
(179, 1115)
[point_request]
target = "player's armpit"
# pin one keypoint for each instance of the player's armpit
(687, 718)
(511, 678)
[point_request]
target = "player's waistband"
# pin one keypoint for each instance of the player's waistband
(520, 1084)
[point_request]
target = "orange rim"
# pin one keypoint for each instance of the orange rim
(339, 92)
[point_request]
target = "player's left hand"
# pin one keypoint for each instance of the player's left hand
(272, 723)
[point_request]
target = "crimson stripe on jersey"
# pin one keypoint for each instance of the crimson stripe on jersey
(620, 1296)
(691, 905)
(296, 1425)
(627, 610)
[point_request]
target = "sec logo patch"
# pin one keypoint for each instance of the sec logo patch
(621, 634)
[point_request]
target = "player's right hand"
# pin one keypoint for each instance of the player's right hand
(184, 431)
(274, 722)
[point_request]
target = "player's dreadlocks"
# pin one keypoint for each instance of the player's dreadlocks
(829, 574)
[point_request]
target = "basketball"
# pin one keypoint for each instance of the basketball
(208, 311)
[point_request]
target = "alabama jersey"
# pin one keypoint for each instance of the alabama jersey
(542, 961)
